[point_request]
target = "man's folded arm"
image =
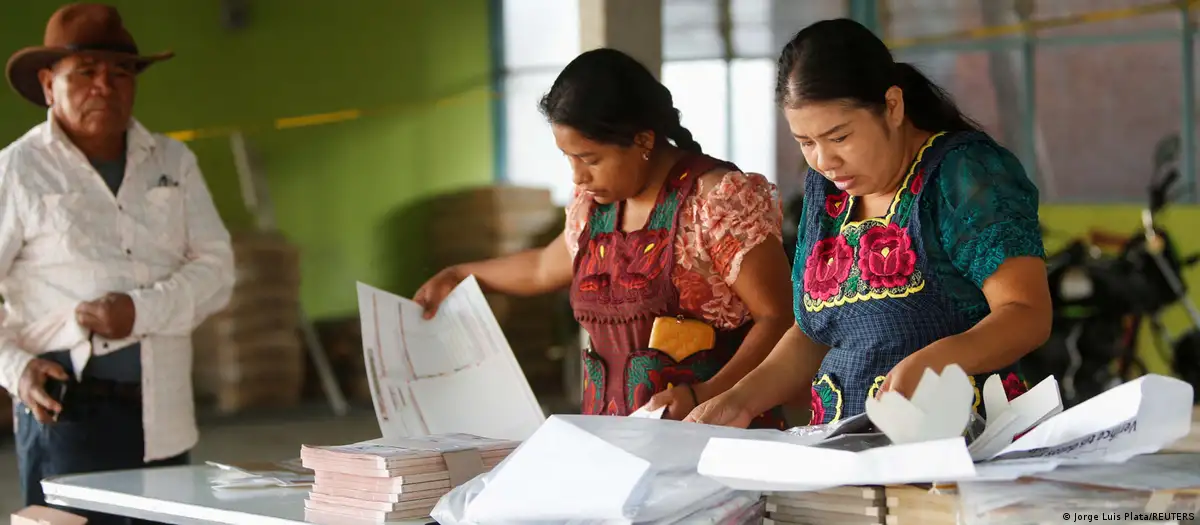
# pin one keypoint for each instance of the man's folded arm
(202, 286)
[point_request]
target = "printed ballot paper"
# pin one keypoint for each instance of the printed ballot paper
(454, 373)
(1139, 417)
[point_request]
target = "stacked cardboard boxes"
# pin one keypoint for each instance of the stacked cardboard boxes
(249, 354)
(481, 223)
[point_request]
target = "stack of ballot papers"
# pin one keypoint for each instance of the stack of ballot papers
(394, 479)
(837, 506)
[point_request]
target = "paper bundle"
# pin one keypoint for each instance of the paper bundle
(390, 479)
(837, 506)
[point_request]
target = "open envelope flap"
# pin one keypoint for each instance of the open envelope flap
(1138, 417)
(1014, 418)
(940, 408)
(746, 464)
(601, 467)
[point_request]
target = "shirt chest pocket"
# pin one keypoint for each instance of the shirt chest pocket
(164, 214)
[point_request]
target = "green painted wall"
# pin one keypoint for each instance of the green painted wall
(343, 192)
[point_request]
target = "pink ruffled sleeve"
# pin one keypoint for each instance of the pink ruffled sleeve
(577, 212)
(737, 215)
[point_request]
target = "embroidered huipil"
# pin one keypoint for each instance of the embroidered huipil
(878, 290)
(65, 238)
(682, 263)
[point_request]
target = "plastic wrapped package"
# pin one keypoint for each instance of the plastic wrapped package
(585, 470)
(1035, 501)
(728, 508)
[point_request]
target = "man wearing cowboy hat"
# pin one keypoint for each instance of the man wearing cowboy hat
(111, 252)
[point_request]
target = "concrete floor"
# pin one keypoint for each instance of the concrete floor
(267, 436)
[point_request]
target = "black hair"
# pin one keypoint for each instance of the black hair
(843, 60)
(609, 97)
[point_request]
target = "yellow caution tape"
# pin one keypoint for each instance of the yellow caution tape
(1091, 17)
(980, 33)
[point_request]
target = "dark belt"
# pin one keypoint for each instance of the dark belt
(92, 390)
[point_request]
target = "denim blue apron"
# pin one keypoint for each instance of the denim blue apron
(867, 288)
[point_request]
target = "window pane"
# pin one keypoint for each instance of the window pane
(690, 30)
(540, 33)
(752, 28)
(754, 116)
(699, 89)
(532, 157)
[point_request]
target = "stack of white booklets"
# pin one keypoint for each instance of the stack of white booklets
(394, 479)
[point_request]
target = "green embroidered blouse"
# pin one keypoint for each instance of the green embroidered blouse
(985, 210)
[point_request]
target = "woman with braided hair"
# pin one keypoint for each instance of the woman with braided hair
(674, 259)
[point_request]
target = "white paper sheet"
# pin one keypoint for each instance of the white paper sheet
(1139, 417)
(940, 408)
(453, 373)
(592, 469)
(1007, 420)
(649, 414)
(1146, 473)
(542, 471)
(773, 466)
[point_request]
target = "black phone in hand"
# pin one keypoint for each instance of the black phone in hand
(57, 390)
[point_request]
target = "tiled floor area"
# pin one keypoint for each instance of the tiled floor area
(276, 435)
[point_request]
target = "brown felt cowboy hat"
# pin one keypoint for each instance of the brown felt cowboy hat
(75, 28)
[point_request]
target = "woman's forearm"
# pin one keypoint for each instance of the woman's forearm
(757, 345)
(999, 340)
(531, 272)
(784, 375)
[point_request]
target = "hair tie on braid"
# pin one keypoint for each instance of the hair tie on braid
(683, 139)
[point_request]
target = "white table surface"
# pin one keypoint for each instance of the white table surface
(178, 496)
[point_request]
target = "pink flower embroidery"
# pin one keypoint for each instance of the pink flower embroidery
(1013, 386)
(818, 408)
(827, 267)
(835, 203)
(885, 256)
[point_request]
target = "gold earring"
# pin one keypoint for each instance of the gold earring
(646, 155)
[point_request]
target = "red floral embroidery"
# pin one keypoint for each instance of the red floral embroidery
(642, 258)
(595, 264)
(827, 267)
(918, 181)
(885, 256)
(835, 203)
(1013, 386)
(694, 290)
(818, 408)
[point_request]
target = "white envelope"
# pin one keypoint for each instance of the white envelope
(940, 408)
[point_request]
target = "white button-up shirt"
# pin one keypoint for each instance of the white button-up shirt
(66, 239)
